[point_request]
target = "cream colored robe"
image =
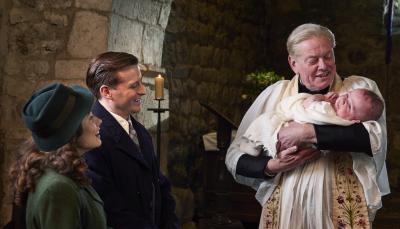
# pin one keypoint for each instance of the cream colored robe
(371, 172)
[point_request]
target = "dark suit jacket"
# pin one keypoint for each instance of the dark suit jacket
(135, 193)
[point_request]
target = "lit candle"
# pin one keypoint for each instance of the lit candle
(159, 84)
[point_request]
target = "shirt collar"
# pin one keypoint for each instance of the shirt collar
(304, 89)
(123, 122)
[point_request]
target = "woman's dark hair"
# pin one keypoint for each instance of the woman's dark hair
(31, 164)
(102, 70)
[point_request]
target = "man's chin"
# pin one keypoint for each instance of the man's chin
(319, 86)
(323, 83)
(136, 110)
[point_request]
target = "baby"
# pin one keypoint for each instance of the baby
(358, 105)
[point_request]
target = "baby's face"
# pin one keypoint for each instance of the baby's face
(352, 105)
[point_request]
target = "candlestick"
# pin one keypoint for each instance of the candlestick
(159, 85)
(158, 110)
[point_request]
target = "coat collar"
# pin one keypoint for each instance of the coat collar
(112, 129)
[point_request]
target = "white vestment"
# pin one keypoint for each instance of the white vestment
(306, 189)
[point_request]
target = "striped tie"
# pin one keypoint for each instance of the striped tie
(132, 133)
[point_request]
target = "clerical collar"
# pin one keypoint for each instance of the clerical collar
(303, 89)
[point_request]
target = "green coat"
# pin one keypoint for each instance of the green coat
(59, 203)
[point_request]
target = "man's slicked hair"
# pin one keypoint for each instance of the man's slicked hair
(102, 70)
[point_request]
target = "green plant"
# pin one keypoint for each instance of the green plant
(257, 81)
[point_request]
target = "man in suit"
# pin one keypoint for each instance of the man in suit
(124, 169)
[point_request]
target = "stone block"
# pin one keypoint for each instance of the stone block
(71, 69)
(125, 36)
(186, 107)
(12, 122)
(13, 64)
(18, 87)
(183, 51)
(51, 46)
(149, 11)
(41, 31)
(30, 3)
(236, 59)
(153, 39)
(103, 5)
(174, 105)
(193, 9)
(194, 123)
(56, 19)
(25, 38)
(212, 14)
(190, 85)
(60, 4)
(196, 72)
(211, 75)
(217, 58)
(18, 15)
(164, 15)
(127, 8)
(203, 90)
(176, 87)
(18, 40)
(205, 55)
(193, 54)
(196, 108)
(176, 25)
(182, 72)
(88, 37)
(37, 68)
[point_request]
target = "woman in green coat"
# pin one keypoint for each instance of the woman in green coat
(48, 178)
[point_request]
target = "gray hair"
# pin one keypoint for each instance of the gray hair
(305, 32)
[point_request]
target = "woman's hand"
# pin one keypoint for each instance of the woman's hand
(290, 158)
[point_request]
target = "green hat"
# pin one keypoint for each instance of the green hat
(55, 112)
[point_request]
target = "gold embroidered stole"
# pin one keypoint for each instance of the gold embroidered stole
(348, 199)
(271, 210)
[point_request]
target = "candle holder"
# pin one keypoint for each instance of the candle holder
(158, 110)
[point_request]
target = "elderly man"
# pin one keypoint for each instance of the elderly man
(339, 180)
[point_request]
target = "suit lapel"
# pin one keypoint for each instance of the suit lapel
(110, 127)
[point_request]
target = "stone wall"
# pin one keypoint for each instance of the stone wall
(209, 47)
(44, 41)
(360, 50)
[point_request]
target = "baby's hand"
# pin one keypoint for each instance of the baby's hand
(331, 97)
